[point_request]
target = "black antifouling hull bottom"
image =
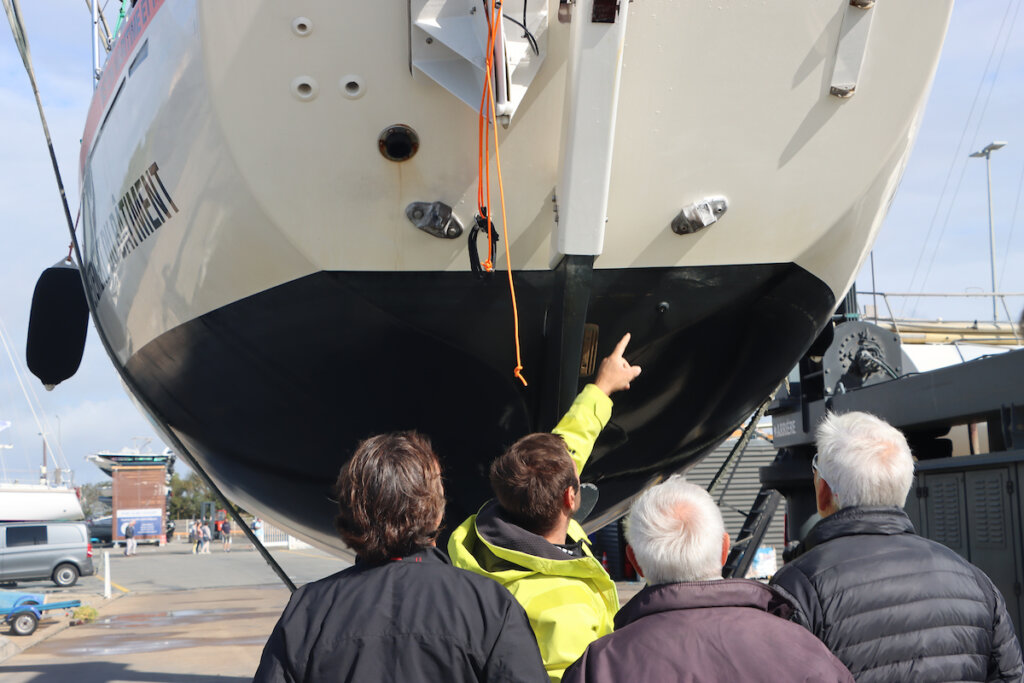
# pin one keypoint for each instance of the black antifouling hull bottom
(272, 393)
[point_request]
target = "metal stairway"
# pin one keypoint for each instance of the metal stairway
(742, 552)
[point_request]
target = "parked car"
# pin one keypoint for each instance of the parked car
(59, 551)
(100, 530)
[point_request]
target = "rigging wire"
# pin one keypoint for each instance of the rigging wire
(18, 29)
(11, 419)
(1013, 224)
(47, 428)
(12, 356)
(977, 129)
(122, 13)
(71, 245)
(3, 461)
(874, 287)
(14, 17)
(107, 40)
(957, 158)
(526, 32)
(938, 243)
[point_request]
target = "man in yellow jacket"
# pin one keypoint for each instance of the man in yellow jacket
(527, 539)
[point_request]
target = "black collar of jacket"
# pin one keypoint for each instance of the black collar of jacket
(857, 521)
(429, 555)
(494, 527)
(701, 595)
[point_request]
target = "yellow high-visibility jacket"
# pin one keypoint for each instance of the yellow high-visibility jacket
(570, 602)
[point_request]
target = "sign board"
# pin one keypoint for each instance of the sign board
(140, 494)
(148, 521)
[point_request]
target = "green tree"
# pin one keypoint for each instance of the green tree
(89, 495)
(187, 496)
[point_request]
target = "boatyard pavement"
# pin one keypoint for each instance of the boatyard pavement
(173, 617)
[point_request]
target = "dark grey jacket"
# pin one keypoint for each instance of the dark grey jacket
(415, 618)
(897, 607)
(706, 631)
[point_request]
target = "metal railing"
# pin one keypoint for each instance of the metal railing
(1012, 329)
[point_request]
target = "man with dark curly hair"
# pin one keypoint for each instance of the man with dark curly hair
(402, 612)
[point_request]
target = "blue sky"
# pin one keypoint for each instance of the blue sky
(977, 97)
(972, 103)
(94, 411)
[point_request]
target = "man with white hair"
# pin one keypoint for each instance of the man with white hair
(689, 624)
(893, 606)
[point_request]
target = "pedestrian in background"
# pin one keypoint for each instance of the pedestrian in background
(893, 606)
(225, 535)
(690, 625)
(130, 544)
(207, 537)
(257, 529)
(196, 536)
(402, 612)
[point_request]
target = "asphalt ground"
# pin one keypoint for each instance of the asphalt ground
(173, 617)
(174, 567)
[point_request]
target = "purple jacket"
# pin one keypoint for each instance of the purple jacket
(707, 631)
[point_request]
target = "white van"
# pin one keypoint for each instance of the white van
(59, 551)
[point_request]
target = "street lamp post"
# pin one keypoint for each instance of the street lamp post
(987, 153)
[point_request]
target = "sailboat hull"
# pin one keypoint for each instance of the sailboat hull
(38, 503)
(291, 379)
(252, 268)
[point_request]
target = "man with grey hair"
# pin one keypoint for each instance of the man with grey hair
(891, 605)
(688, 623)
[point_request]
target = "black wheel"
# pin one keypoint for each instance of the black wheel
(24, 623)
(65, 575)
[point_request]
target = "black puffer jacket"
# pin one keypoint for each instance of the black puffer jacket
(415, 618)
(897, 607)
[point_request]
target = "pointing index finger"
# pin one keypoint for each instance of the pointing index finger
(620, 348)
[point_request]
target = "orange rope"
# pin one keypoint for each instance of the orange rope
(483, 196)
(488, 116)
(518, 372)
(496, 20)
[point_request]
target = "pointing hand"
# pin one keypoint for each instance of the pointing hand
(615, 372)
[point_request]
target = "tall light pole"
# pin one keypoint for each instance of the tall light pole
(986, 152)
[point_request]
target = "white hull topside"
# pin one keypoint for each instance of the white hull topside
(38, 503)
(716, 99)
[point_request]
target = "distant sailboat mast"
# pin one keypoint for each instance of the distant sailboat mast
(35, 407)
(4, 424)
(43, 478)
